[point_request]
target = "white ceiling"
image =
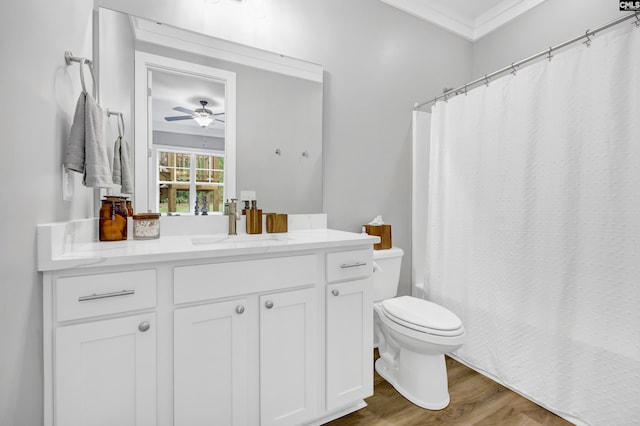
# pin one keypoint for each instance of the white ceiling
(172, 90)
(471, 19)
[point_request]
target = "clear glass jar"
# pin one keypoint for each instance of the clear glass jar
(146, 226)
(113, 219)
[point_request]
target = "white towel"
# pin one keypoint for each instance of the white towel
(86, 151)
(122, 165)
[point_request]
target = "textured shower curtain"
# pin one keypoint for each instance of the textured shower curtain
(534, 227)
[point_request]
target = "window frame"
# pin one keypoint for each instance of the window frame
(193, 152)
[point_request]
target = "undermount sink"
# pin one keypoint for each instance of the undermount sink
(260, 239)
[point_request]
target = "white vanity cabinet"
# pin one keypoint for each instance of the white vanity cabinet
(210, 364)
(104, 356)
(288, 354)
(279, 336)
(349, 307)
(214, 343)
(106, 372)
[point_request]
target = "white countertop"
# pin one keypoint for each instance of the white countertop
(78, 254)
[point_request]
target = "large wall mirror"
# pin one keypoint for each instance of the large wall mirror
(262, 130)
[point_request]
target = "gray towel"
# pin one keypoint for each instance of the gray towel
(74, 153)
(86, 151)
(122, 166)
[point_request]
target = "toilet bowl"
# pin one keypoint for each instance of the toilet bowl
(412, 336)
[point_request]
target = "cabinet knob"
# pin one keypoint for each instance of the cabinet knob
(144, 326)
(335, 292)
(240, 309)
(269, 304)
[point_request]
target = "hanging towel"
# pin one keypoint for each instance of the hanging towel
(74, 153)
(86, 151)
(121, 165)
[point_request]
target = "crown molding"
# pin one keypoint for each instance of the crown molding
(470, 28)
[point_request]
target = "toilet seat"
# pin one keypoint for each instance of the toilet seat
(422, 315)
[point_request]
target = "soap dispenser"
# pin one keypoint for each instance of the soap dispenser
(254, 219)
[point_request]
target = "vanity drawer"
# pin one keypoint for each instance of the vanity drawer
(349, 265)
(216, 280)
(102, 294)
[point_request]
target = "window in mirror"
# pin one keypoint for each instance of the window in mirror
(186, 176)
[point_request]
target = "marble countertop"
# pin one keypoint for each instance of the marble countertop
(79, 254)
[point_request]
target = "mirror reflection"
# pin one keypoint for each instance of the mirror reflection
(278, 120)
(188, 145)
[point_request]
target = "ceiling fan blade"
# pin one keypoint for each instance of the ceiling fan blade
(219, 113)
(179, 117)
(185, 110)
(217, 119)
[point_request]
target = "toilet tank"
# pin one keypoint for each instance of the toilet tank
(386, 274)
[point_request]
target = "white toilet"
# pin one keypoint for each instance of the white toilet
(412, 336)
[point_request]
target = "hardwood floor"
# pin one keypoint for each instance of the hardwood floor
(475, 400)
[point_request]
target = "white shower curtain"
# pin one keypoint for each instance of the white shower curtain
(534, 227)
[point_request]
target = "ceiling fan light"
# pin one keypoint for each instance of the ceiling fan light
(203, 120)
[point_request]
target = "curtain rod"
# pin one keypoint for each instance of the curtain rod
(448, 93)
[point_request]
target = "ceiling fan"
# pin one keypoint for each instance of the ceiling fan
(202, 116)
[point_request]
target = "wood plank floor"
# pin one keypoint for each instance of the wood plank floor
(475, 400)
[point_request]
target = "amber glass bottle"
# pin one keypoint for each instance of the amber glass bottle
(113, 219)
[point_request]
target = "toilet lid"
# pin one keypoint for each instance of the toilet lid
(421, 313)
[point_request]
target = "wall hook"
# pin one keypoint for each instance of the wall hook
(305, 154)
(278, 152)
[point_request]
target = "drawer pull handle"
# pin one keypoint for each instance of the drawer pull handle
(144, 326)
(105, 295)
(335, 292)
(352, 265)
(269, 304)
(239, 309)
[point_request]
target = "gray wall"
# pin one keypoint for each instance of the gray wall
(379, 61)
(33, 38)
(546, 25)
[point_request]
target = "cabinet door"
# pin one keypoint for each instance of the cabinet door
(288, 350)
(349, 342)
(210, 364)
(106, 372)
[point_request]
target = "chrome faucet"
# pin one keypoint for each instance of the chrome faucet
(231, 210)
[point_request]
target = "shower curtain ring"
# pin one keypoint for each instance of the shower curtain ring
(465, 90)
(637, 23)
(588, 41)
(513, 68)
(486, 80)
(549, 55)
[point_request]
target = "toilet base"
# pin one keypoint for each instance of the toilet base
(423, 380)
